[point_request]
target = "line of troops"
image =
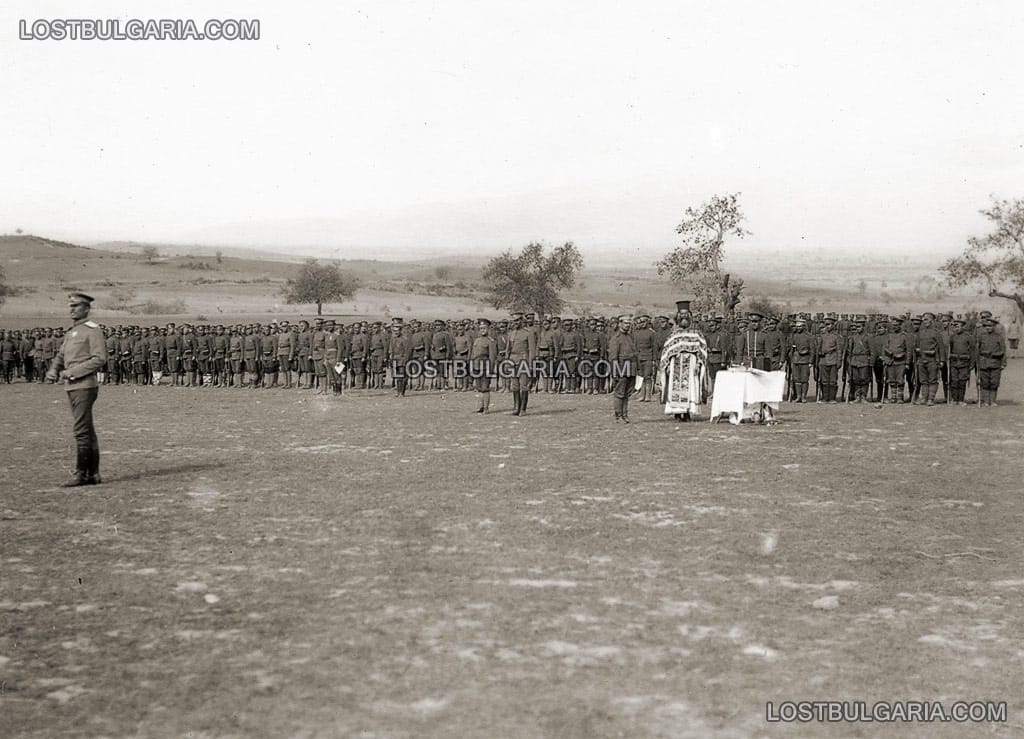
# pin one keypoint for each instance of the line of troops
(878, 358)
(895, 359)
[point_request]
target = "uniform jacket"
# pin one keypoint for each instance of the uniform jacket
(82, 353)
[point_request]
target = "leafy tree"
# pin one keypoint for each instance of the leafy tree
(442, 272)
(319, 283)
(150, 253)
(997, 258)
(220, 257)
(697, 264)
(532, 280)
(765, 306)
(4, 290)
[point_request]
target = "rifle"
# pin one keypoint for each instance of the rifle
(790, 385)
(846, 369)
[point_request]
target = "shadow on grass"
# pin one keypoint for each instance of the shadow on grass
(548, 412)
(164, 471)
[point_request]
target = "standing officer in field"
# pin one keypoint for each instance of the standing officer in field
(483, 360)
(961, 359)
(520, 350)
(803, 352)
(81, 355)
(991, 361)
(624, 360)
(895, 350)
(930, 348)
(859, 359)
(829, 354)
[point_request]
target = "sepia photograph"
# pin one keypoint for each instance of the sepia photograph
(511, 370)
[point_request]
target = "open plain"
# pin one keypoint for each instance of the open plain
(274, 563)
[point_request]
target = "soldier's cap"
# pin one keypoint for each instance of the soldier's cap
(624, 318)
(515, 315)
(530, 315)
(860, 320)
(915, 319)
(483, 321)
(80, 299)
(895, 319)
(753, 314)
(662, 318)
(986, 314)
(989, 320)
(799, 322)
(929, 315)
(395, 320)
(958, 321)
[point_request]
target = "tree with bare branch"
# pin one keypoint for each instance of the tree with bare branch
(997, 258)
(696, 265)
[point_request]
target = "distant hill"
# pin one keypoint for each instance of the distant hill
(188, 280)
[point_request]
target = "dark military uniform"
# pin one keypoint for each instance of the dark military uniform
(81, 355)
(624, 360)
(991, 362)
(962, 358)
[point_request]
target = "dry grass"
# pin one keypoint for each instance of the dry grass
(273, 564)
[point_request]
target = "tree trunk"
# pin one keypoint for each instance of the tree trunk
(319, 309)
(1015, 297)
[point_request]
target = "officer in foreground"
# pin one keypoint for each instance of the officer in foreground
(81, 355)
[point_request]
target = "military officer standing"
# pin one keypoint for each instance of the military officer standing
(81, 355)
(929, 357)
(624, 360)
(991, 361)
(894, 359)
(859, 360)
(961, 359)
(803, 355)
(483, 359)
(521, 350)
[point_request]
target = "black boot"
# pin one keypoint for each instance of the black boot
(81, 474)
(93, 476)
(517, 401)
(526, 399)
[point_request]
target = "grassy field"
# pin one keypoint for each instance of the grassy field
(271, 563)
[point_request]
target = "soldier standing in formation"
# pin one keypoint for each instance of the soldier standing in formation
(483, 360)
(991, 362)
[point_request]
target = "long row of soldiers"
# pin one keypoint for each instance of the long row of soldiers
(878, 358)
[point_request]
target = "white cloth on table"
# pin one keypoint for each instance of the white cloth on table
(742, 391)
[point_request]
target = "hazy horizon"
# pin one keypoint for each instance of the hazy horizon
(405, 130)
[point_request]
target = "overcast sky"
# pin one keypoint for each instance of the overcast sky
(846, 125)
